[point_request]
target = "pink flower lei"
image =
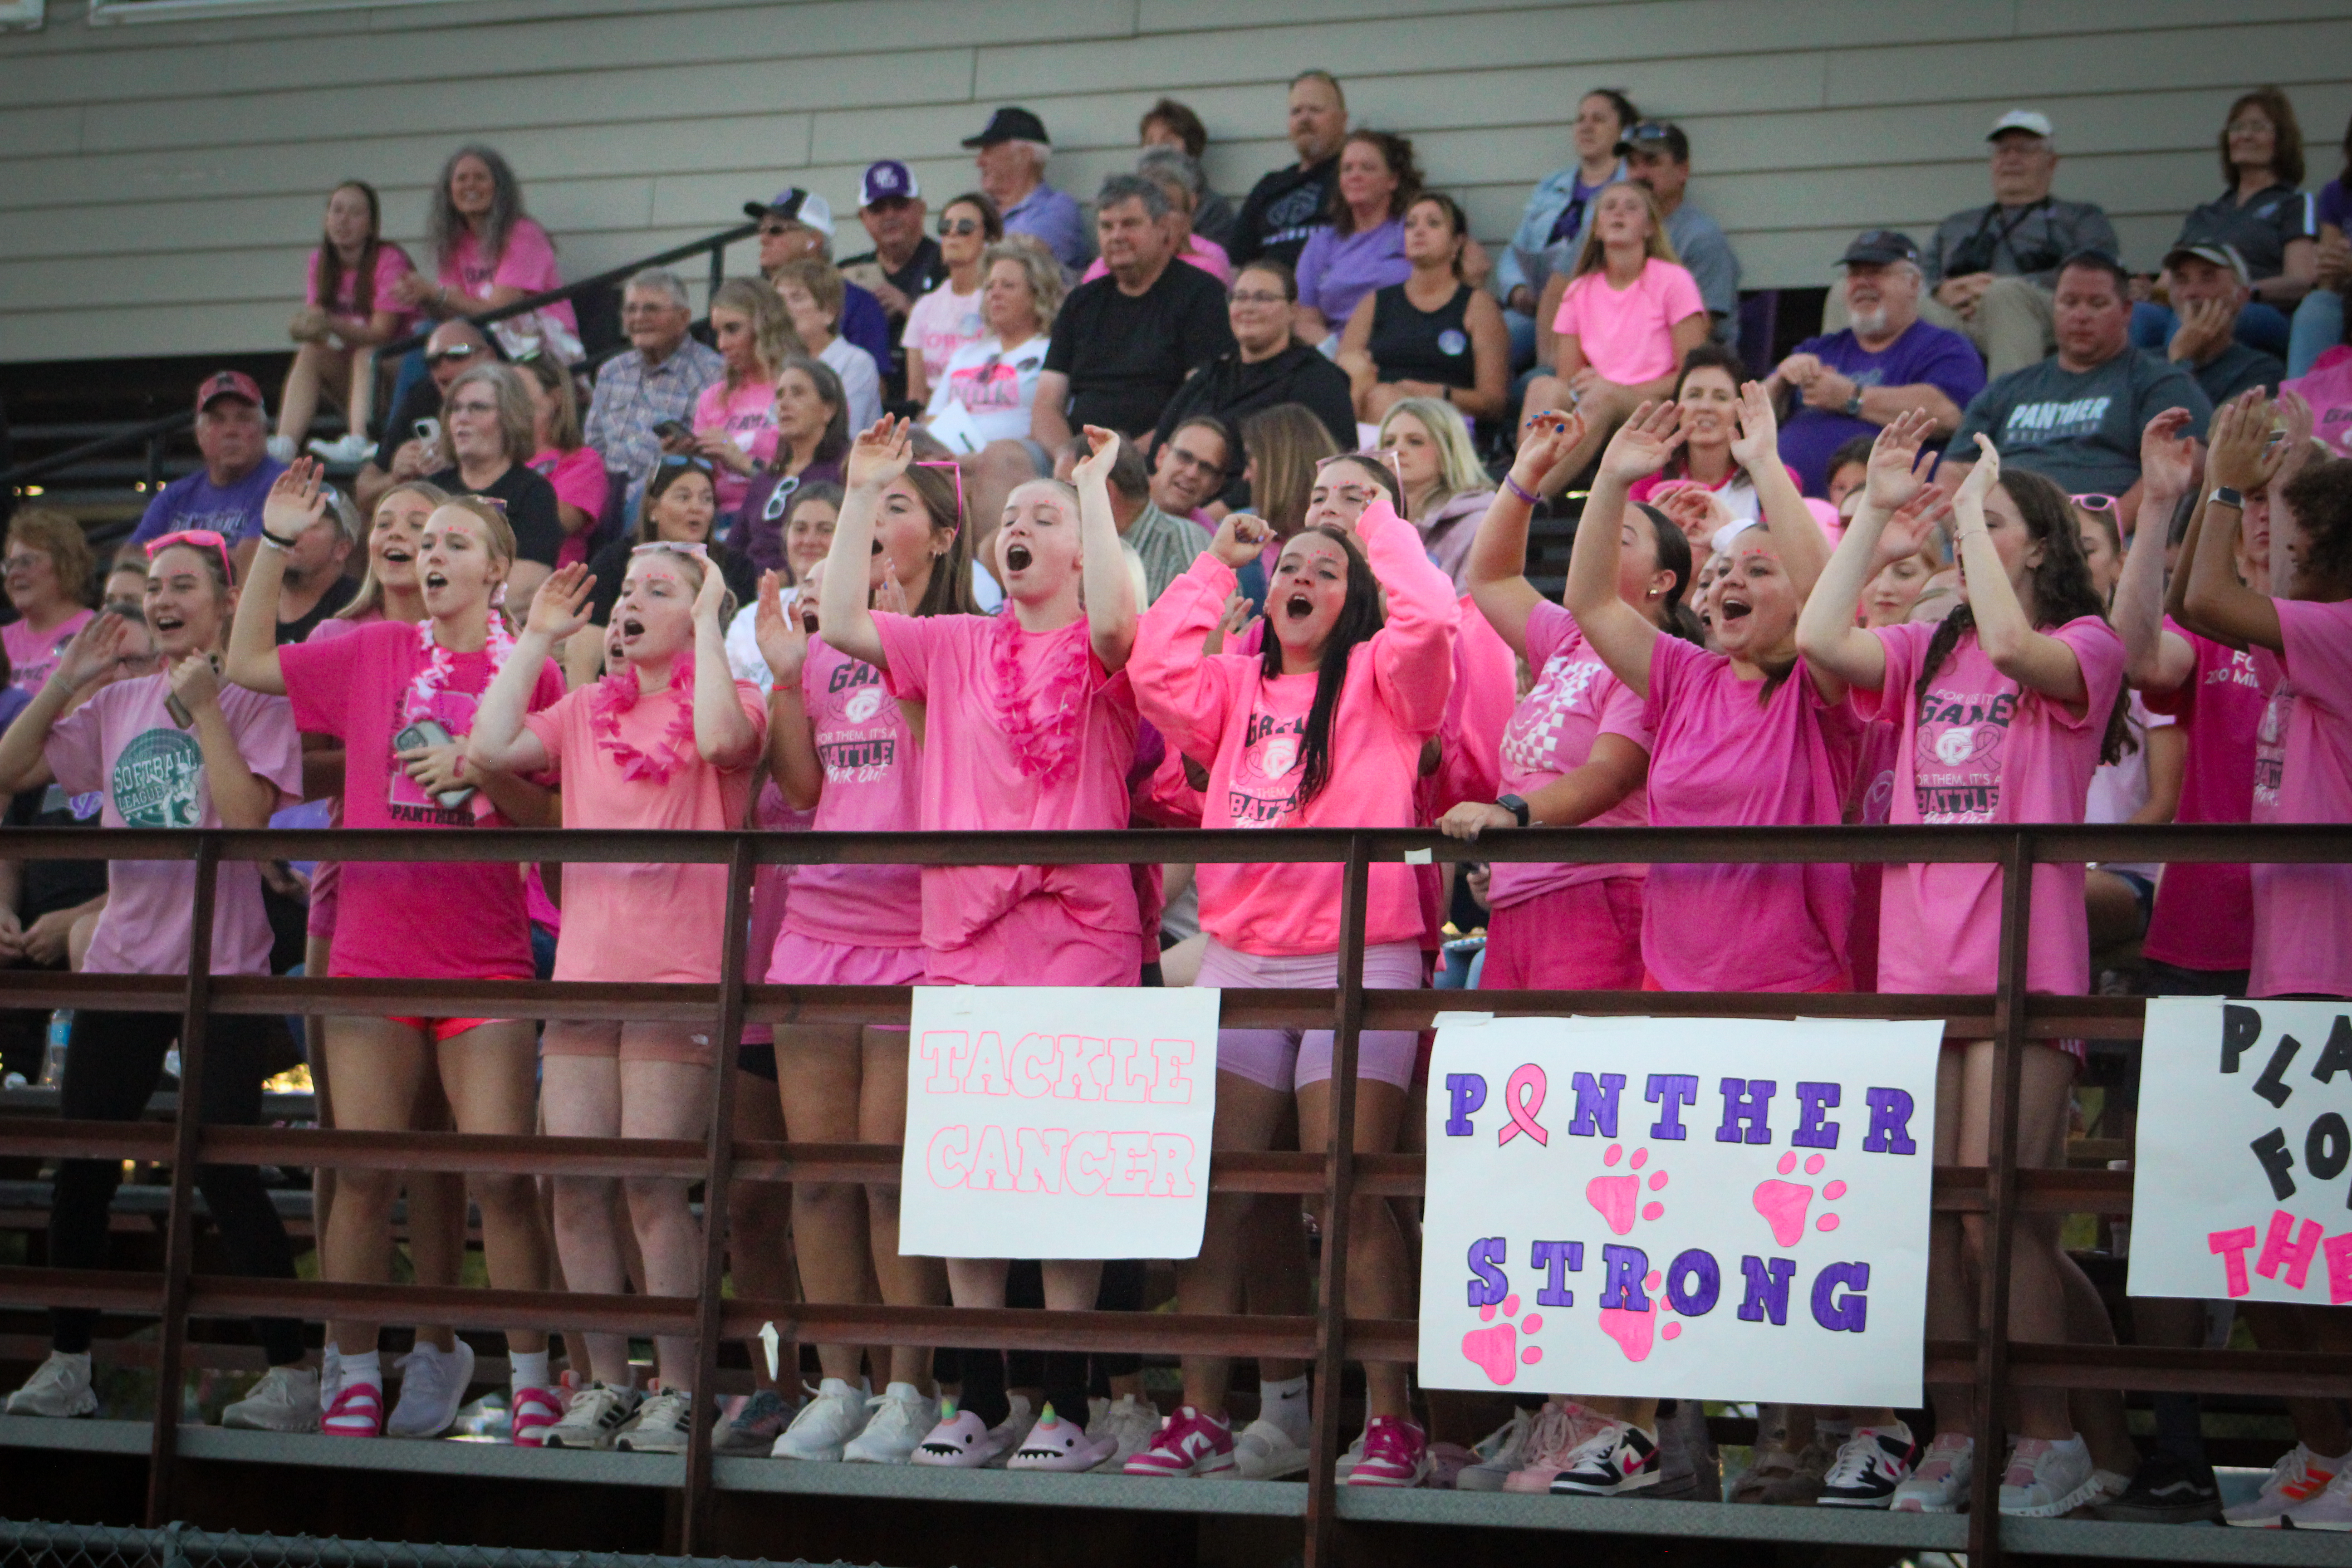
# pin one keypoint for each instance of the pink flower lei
(616, 694)
(1044, 742)
(440, 667)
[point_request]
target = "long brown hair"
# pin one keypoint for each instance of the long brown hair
(1285, 444)
(2286, 137)
(327, 274)
(1358, 620)
(949, 590)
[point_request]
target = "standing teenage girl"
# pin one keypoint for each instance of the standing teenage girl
(374, 688)
(1030, 724)
(668, 739)
(2006, 707)
(231, 761)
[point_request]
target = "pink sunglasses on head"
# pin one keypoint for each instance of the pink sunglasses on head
(196, 539)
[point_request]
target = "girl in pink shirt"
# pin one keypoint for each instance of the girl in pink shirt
(1324, 727)
(735, 416)
(842, 744)
(374, 688)
(668, 740)
(352, 306)
(2005, 707)
(1030, 723)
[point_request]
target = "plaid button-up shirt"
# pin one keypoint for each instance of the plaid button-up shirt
(633, 396)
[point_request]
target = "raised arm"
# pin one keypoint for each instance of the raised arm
(792, 742)
(1179, 683)
(1796, 537)
(2025, 654)
(879, 454)
(2155, 659)
(499, 742)
(1110, 592)
(1496, 568)
(93, 652)
(296, 500)
(1413, 655)
(1617, 631)
(1832, 644)
(724, 735)
(2216, 598)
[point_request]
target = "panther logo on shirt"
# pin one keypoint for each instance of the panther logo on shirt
(1957, 762)
(863, 705)
(1264, 788)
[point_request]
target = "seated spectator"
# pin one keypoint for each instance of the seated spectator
(2076, 418)
(1288, 205)
(1180, 177)
(2318, 323)
(1124, 343)
(905, 263)
(488, 253)
(1362, 248)
(405, 450)
(1169, 123)
(1991, 269)
(951, 314)
(1708, 393)
(1431, 336)
(226, 494)
(1657, 154)
(487, 442)
(2209, 292)
(571, 468)
(1446, 486)
(1558, 211)
(1167, 541)
(680, 508)
(2263, 214)
(798, 225)
(1849, 382)
(1267, 365)
(813, 292)
(735, 418)
(315, 586)
(812, 443)
(1189, 470)
(351, 308)
(993, 379)
(48, 568)
(656, 380)
(1012, 149)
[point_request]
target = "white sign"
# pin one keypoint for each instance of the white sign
(1727, 1209)
(2245, 1132)
(1058, 1121)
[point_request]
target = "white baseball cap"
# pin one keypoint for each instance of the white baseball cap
(2025, 119)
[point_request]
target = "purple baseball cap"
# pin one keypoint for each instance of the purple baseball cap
(888, 180)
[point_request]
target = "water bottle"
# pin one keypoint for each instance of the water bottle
(53, 1060)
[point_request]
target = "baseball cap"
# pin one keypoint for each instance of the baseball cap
(2024, 120)
(2224, 257)
(1010, 123)
(228, 383)
(794, 205)
(1877, 247)
(1653, 135)
(886, 180)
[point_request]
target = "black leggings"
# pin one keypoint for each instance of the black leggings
(1063, 1375)
(112, 1066)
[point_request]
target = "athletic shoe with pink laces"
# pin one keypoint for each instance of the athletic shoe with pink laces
(1396, 1454)
(357, 1412)
(1186, 1444)
(1562, 1426)
(535, 1410)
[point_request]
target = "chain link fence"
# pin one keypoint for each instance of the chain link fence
(31, 1544)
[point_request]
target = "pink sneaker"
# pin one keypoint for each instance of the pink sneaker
(1396, 1454)
(535, 1410)
(1562, 1426)
(357, 1412)
(1186, 1444)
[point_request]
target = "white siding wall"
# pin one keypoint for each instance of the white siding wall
(160, 184)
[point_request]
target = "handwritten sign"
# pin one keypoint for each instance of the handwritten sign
(2245, 1134)
(1724, 1208)
(1058, 1121)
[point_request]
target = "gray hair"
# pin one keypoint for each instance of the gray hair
(443, 224)
(1176, 161)
(1119, 188)
(1039, 153)
(661, 280)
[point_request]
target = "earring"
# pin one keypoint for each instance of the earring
(1654, 593)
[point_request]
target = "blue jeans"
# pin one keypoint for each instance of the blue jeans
(2319, 327)
(2260, 326)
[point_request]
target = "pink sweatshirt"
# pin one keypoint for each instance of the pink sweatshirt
(1224, 708)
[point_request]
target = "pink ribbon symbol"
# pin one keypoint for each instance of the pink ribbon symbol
(1523, 1096)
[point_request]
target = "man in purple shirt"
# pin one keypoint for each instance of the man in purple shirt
(1888, 362)
(226, 494)
(1013, 152)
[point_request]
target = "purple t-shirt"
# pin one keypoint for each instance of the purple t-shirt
(1925, 352)
(193, 501)
(2334, 205)
(1335, 271)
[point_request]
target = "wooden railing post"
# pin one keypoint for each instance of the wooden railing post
(179, 1229)
(1339, 1191)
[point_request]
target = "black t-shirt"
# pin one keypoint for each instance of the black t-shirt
(925, 270)
(611, 564)
(530, 508)
(339, 593)
(2261, 228)
(1282, 211)
(44, 887)
(1126, 355)
(1233, 390)
(422, 402)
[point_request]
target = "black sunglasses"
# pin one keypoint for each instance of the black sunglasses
(954, 226)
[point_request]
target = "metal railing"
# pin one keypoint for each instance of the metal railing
(34, 1544)
(2000, 1190)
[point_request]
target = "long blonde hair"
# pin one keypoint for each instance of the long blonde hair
(369, 601)
(1459, 472)
(1590, 258)
(773, 338)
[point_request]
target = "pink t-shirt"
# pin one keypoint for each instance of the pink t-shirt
(528, 264)
(1722, 759)
(121, 741)
(1628, 334)
(391, 263)
(2303, 772)
(872, 785)
(2204, 916)
(33, 655)
(746, 416)
(1203, 253)
(1023, 729)
(1980, 748)
(1574, 701)
(458, 920)
(615, 778)
(938, 324)
(578, 480)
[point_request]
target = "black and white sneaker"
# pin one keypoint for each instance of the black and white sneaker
(1868, 1468)
(1619, 1459)
(2165, 1491)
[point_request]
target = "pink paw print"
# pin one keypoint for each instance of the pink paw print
(1618, 1198)
(1634, 1331)
(1497, 1350)
(1785, 1205)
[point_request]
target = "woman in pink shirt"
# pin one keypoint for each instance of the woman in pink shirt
(487, 253)
(1324, 727)
(841, 743)
(352, 305)
(668, 740)
(735, 416)
(2006, 708)
(1708, 391)
(402, 699)
(574, 470)
(1030, 723)
(47, 567)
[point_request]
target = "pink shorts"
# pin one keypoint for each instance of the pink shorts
(1586, 936)
(1282, 1059)
(1037, 943)
(801, 960)
(661, 1042)
(445, 1029)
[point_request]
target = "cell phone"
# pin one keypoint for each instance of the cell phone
(674, 430)
(427, 732)
(178, 709)
(428, 430)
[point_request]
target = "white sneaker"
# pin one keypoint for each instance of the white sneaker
(2299, 1476)
(351, 449)
(1940, 1482)
(432, 1386)
(2331, 1510)
(1130, 1423)
(58, 1386)
(280, 447)
(661, 1425)
(1268, 1451)
(901, 1418)
(591, 1416)
(285, 1400)
(1499, 1453)
(824, 1424)
(2046, 1478)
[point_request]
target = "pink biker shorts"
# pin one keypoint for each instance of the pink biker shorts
(811, 961)
(1282, 1059)
(1037, 943)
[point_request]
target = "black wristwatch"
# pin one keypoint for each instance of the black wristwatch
(1854, 405)
(2224, 495)
(1516, 807)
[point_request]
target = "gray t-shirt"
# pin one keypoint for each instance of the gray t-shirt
(2080, 428)
(2027, 241)
(1706, 253)
(2236, 368)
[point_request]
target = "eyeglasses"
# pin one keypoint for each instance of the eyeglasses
(196, 539)
(1257, 297)
(1194, 460)
(775, 230)
(472, 408)
(443, 356)
(24, 563)
(957, 225)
